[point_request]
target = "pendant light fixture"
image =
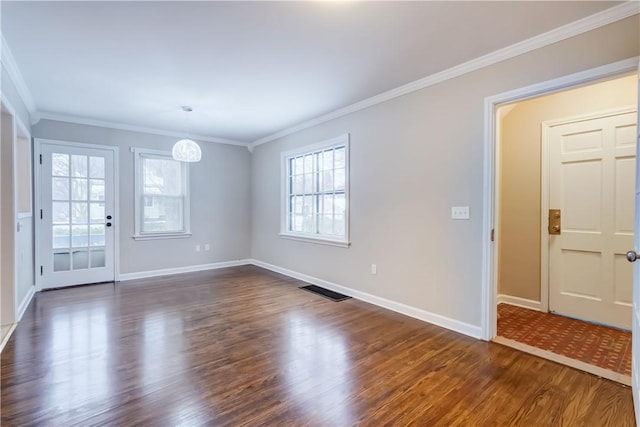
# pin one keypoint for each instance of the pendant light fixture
(186, 150)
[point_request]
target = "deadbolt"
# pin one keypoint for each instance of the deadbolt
(555, 226)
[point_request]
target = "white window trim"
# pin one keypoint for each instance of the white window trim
(138, 234)
(306, 237)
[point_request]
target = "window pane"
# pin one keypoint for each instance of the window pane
(79, 236)
(80, 260)
(308, 183)
(327, 160)
(98, 235)
(339, 179)
(162, 176)
(297, 168)
(60, 212)
(97, 258)
(60, 188)
(298, 184)
(59, 164)
(308, 163)
(327, 181)
(96, 213)
(338, 225)
(96, 189)
(61, 261)
(79, 166)
(96, 167)
(340, 206)
(340, 157)
(162, 214)
(79, 213)
(61, 236)
(79, 189)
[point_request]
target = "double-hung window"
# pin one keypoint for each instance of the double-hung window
(316, 192)
(161, 195)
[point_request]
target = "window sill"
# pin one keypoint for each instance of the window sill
(161, 236)
(318, 240)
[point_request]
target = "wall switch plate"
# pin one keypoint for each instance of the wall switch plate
(207, 247)
(374, 269)
(460, 212)
(197, 248)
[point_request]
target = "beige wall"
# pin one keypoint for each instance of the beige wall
(412, 158)
(520, 216)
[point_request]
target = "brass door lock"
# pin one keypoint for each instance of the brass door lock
(554, 221)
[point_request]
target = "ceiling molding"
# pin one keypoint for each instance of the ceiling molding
(132, 128)
(564, 32)
(9, 64)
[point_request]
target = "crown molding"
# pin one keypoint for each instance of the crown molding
(9, 64)
(581, 26)
(132, 128)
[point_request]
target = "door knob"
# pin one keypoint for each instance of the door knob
(632, 256)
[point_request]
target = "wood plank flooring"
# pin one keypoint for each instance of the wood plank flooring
(244, 346)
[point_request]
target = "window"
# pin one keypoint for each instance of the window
(316, 192)
(162, 195)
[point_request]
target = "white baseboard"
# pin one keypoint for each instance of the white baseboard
(179, 270)
(520, 302)
(4, 339)
(25, 303)
(426, 316)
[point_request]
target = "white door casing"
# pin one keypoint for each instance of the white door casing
(635, 327)
(77, 218)
(591, 180)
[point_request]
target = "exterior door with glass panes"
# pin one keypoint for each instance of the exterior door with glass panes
(77, 224)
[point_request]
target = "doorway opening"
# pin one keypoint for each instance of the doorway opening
(562, 296)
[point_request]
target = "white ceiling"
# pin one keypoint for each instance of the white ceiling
(250, 69)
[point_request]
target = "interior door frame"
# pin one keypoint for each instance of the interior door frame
(491, 182)
(545, 183)
(38, 143)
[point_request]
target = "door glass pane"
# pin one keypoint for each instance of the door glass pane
(60, 188)
(61, 236)
(80, 260)
(80, 236)
(97, 235)
(97, 213)
(60, 212)
(61, 261)
(79, 189)
(96, 167)
(96, 189)
(59, 164)
(79, 213)
(79, 166)
(97, 258)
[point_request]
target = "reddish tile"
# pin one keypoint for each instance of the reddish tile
(590, 343)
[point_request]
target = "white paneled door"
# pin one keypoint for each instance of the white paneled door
(77, 217)
(592, 175)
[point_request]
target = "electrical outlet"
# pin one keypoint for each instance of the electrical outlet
(197, 248)
(207, 247)
(374, 269)
(460, 212)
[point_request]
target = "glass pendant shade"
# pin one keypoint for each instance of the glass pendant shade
(186, 150)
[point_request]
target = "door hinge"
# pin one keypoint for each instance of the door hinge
(41, 270)
(40, 158)
(40, 213)
(493, 234)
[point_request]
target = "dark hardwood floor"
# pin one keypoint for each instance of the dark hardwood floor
(243, 346)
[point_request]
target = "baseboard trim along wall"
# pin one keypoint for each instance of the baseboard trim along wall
(519, 302)
(426, 316)
(179, 270)
(25, 303)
